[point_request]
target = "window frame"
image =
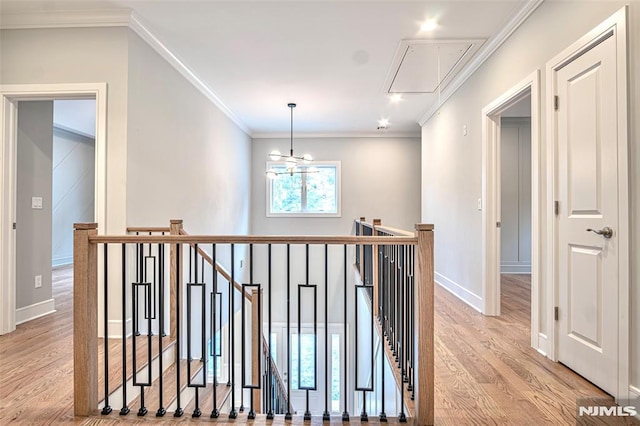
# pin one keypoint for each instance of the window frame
(336, 164)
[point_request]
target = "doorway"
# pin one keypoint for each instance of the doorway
(514, 115)
(55, 183)
(10, 97)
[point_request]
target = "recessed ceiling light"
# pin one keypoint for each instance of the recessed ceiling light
(429, 25)
(396, 97)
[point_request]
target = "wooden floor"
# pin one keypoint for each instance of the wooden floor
(486, 372)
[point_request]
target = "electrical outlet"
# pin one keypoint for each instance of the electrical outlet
(38, 281)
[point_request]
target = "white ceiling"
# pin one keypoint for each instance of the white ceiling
(330, 57)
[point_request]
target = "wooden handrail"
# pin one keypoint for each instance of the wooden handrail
(251, 239)
(394, 231)
(148, 229)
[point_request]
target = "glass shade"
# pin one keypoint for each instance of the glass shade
(275, 155)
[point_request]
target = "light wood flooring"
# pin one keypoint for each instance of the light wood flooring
(486, 372)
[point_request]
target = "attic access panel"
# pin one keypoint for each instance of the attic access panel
(415, 66)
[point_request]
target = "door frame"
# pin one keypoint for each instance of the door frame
(10, 95)
(491, 201)
(618, 24)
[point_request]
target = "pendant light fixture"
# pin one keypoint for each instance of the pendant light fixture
(292, 161)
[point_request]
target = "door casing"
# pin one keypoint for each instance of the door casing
(10, 95)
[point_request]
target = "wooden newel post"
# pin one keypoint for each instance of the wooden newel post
(85, 320)
(374, 259)
(424, 398)
(176, 281)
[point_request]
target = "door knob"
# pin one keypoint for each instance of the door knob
(605, 232)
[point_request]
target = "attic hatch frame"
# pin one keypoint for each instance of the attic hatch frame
(403, 48)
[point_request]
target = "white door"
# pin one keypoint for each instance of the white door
(587, 188)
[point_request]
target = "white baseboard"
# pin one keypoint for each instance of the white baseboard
(61, 261)
(515, 268)
(460, 292)
(543, 344)
(34, 311)
(114, 328)
(634, 393)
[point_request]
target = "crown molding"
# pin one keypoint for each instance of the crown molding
(65, 19)
(153, 41)
(116, 18)
(487, 49)
(330, 135)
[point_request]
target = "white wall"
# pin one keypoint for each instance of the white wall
(33, 235)
(80, 55)
(451, 172)
(73, 189)
(186, 159)
(380, 179)
(515, 186)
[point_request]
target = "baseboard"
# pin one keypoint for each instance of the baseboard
(460, 292)
(114, 328)
(543, 344)
(61, 261)
(34, 311)
(634, 394)
(515, 268)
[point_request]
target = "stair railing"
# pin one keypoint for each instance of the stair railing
(114, 257)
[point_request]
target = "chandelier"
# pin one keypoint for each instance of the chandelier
(292, 161)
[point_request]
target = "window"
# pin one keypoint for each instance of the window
(304, 194)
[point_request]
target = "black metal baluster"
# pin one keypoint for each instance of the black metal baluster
(382, 417)
(270, 392)
(125, 408)
(287, 415)
(326, 415)
(253, 386)
(179, 411)
(363, 415)
(161, 332)
(413, 324)
(215, 412)
(107, 408)
(233, 413)
(345, 413)
(307, 413)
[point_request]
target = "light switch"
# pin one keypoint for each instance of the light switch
(479, 203)
(36, 203)
(464, 130)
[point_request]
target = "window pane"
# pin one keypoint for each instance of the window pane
(286, 192)
(322, 190)
(307, 360)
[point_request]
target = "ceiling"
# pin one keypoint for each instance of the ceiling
(333, 58)
(77, 115)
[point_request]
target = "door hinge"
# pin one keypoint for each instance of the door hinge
(556, 313)
(14, 225)
(556, 102)
(498, 224)
(556, 207)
